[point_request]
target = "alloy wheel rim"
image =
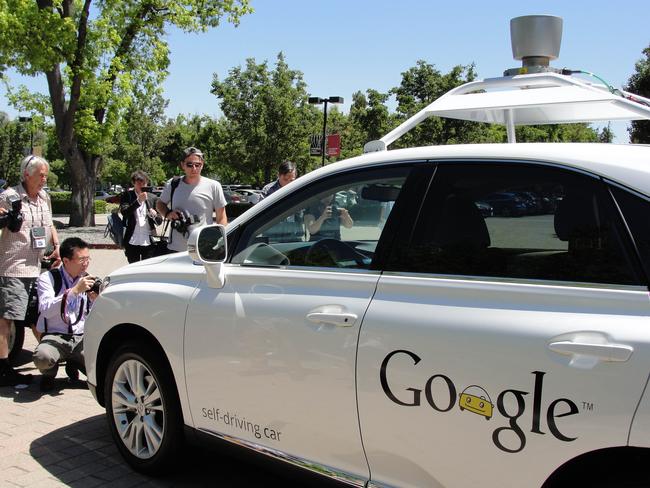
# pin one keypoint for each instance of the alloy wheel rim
(138, 412)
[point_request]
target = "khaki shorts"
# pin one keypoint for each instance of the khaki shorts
(14, 295)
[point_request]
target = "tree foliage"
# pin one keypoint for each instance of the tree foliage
(639, 83)
(94, 56)
(268, 118)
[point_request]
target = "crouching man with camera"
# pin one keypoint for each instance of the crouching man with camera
(26, 231)
(191, 201)
(65, 297)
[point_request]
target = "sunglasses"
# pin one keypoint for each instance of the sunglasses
(193, 165)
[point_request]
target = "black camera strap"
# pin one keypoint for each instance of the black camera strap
(176, 180)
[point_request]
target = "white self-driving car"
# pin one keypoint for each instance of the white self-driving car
(372, 322)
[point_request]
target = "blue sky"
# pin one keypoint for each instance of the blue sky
(344, 46)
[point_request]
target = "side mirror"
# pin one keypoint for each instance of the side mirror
(209, 246)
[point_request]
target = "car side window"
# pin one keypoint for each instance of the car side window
(518, 221)
(336, 223)
(635, 210)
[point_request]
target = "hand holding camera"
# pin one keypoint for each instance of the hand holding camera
(182, 221)
(12, 219)
(90, 284)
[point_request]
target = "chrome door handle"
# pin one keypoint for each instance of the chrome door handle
(340, 319)
(603, 352)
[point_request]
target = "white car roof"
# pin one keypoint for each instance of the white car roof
(626, 164)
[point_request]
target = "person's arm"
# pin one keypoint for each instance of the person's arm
(314, 224)
(49, 304)
(54, 255)
(346, 219)
(164, 210)
(127, 207)
(153, 210)
(222, 218)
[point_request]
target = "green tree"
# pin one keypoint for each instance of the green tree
(137, 142)
(421, 85)
(267, 116)
(14, 141)
(639, 83)
(94, 56)
(369, 117)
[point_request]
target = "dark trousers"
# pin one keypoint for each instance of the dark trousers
(137, 253)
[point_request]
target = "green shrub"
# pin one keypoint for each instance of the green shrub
(62, 203)
(100, 206)
(112, 207)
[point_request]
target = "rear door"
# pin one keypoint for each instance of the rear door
(497, 347)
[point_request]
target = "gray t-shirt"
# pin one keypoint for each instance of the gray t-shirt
(200, 200)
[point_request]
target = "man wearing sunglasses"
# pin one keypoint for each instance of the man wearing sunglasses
(195, 200)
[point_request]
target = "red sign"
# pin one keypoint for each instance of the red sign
(334, 145)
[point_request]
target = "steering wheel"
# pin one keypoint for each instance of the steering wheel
(332, 253)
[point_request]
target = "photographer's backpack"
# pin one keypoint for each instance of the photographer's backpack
(115, 229)
(31, 315)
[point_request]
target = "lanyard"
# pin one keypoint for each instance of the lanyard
(64, 305)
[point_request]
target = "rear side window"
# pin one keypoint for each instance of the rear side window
(518, 221)
(636, 210)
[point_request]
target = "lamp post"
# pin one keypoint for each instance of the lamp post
(325, 101)
(31, 132)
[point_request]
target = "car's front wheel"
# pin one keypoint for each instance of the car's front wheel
(143, 409)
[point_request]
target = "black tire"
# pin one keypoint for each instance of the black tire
(16, 341)
(149, 439)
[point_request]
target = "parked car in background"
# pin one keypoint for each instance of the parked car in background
(114, 198)
(506, 204)
(252, 196)
(102, 195)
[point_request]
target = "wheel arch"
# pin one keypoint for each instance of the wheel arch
(116, 337)
(623, 466)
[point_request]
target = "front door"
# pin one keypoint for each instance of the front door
(271, 357)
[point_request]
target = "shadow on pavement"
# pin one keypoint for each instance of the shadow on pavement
(83, 454)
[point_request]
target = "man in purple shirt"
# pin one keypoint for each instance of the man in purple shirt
(63, 311)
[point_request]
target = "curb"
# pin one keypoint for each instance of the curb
(103, 246)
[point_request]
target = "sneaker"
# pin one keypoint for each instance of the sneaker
(72, 370)
(47, 383)
(10, 377)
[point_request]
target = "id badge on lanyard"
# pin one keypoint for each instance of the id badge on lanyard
(38, 237)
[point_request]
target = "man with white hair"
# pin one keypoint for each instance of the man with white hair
(26, 213)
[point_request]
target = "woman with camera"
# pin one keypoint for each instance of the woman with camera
(138, 208)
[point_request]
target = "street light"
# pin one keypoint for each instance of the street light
(31, 132)
(318, 101)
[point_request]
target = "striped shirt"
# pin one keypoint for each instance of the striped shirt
(19, 258)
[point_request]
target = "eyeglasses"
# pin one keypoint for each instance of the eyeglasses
(84, 260)
(193, 165)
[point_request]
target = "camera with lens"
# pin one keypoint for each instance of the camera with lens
(96, 285)
(13, 219)
(184, 221)
(335, 211)
(46, 263)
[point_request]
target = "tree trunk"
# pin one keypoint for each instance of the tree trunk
(84, 174)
